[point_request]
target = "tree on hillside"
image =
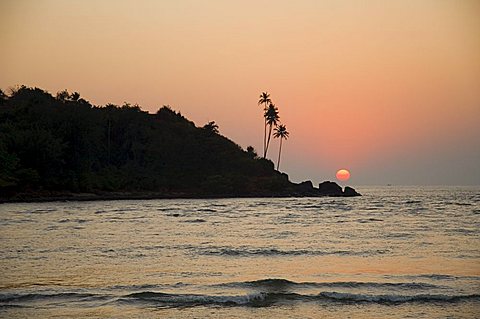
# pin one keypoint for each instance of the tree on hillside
(75, 96)
(265, 100)
(282, 133)
(251, 152)
(63, 95)
(271, 118)
(211, 127)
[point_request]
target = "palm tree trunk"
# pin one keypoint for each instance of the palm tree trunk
(268, 141)
(265, 138)
(279, 153)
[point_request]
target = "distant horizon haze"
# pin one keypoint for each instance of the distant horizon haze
(387, 90)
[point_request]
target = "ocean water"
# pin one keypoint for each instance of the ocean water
(396, 252)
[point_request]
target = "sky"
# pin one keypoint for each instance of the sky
(389, 90)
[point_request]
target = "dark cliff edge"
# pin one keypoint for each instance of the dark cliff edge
(64, 148)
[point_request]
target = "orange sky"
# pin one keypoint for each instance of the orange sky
(388, 89)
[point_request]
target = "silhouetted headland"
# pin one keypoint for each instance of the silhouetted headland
(64, 148)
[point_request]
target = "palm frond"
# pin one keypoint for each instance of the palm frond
(281, 131)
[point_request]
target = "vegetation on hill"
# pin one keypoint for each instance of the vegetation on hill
(63, 143)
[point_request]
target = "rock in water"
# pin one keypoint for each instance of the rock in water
(305, 189)
(349, 191)
(306, 186)
(330, 189)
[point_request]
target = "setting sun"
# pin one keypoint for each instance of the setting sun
(343, 175)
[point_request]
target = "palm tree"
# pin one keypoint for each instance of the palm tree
(280, 131)
(271, 118)
(265, 100)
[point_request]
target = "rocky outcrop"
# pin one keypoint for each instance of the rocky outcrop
(349, 191)
(305, 188)
(329, 188)
(306, 185)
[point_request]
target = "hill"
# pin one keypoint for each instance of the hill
(63, 146)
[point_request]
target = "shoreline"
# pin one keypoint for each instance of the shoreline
(83, 197)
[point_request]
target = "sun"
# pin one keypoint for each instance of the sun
(343, 175)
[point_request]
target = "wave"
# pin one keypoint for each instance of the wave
(413, 202)
(265, 299)
(257, 299)
(398, 298)
(198, 220)
(210, 210)
(251, 252)
(368, 220)
(31, 297)
(6, 306)
(437, 276)
(284, 283)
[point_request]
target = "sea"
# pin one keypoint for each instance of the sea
(395, 252)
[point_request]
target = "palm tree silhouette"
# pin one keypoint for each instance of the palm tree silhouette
(265, 100)
(271, 118)
(280, 131)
